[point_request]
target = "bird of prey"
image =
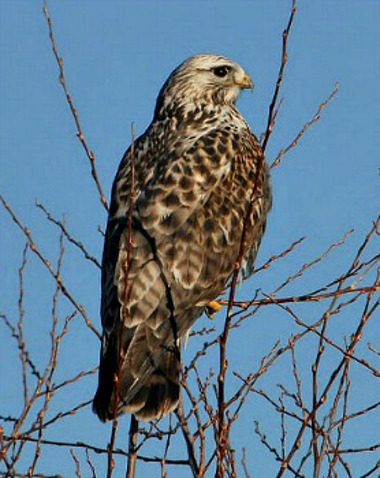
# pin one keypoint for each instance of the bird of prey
(172, 250)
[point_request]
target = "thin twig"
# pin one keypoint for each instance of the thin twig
(74, 111)
(47, 264)
(284, 59)
(68, 236)
(305, 127)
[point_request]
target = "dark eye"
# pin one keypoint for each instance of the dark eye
(221, 71)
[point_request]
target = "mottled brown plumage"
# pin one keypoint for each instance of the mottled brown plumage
(195, 170)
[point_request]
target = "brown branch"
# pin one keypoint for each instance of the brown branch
(132, 451)
(60, 415)
(52, 364)
(308, 297)
(371, 471)
(244, 464)
(222, 431)
(188, 436)
(22, 346)
(76, 378)
(265, 363)
(271, 448)
(345, 353)
(305, 127)
(43, 381)
(124, 316)
(284, 59)
(77, 464)
(209, 419)
(344, 389)
(367, 313)
(281, 255)
(68, 236)
(49, 267)
(98, 450)
(90, 464)
(74, 111)
(222, 445)
(353, 415)
(365, 449)
(312, 263)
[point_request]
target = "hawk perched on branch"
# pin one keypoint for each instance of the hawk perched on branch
(194, 174)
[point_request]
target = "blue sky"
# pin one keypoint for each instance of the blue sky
(116, 56)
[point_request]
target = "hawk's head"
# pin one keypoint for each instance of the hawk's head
(204, 78)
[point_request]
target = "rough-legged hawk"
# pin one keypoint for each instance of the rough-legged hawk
(195, 169)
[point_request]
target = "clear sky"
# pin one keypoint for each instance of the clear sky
(116, 56)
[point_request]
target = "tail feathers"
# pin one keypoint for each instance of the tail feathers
(156, 399)
(149, 394)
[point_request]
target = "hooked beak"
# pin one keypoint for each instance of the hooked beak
(245, 83)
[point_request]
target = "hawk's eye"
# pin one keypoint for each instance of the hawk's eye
(221, 71)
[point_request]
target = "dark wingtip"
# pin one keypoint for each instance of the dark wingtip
(100, 409)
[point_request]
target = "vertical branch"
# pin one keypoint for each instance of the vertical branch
(188, 437)
(52, 364)
(280, 76)
(90, 464)
(126, 268)
(164, 473)
(244, 464)
(222, 445)
(344, 388)
(368, 311)
(78, 473)
(23, 353)
(132, 448)
(222, 426)
(314, 370)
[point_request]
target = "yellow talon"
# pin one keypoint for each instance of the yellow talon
(213, 307)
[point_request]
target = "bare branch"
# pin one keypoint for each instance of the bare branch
(47, 264)
(68, 236)
(305, 127)
(74, 111)
(284, 59)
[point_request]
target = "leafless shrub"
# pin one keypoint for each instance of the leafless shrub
(303, 427)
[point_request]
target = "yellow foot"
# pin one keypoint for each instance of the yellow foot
(213, 307)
